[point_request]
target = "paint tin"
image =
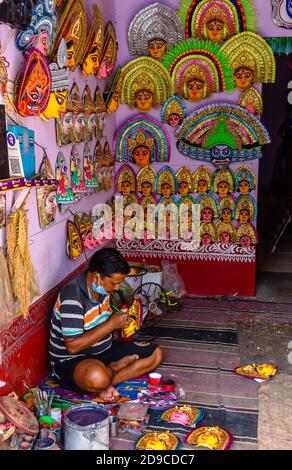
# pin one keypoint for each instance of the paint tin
(86, 427)
(45, 443)
(56, 414)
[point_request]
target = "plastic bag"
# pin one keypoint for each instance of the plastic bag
(171, 280)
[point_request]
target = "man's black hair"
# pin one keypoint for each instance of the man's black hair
(108, 261)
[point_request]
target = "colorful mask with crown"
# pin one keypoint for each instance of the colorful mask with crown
(41, 32)
(202, 180)
(222, 134)
(166, 183)
(141, 140)
(173, 111)
(208, 233)
(251, 58)
(112, 95)
(89, 173)
(146, 179)
(185, 181)
(125, 180)
(77, 180)
(252, 101)
(245, 180)
(246, 235)
(198, 69)
(226, 232)
(78, 114)
(212, 437)
(72, 27)
(145, 84)
(34, 87)
(135, 315)
(90, 115)
(64, 191)
(60, 85)
(158, 441)
(154, 30)
(94, 44)
(210, 208)
(109, 52)
(223, 182)
(245, 209)
(186, 415)
(227, 205)
(216, 20)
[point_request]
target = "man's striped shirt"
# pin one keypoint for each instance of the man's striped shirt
(74, 314)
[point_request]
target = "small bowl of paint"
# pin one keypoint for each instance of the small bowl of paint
(155, 379)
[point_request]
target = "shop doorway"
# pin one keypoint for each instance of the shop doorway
(274, 258)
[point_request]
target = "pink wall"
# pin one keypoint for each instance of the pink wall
(48, 246)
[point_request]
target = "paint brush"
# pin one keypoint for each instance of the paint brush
(116, 308)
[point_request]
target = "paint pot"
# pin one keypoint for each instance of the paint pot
(154, 379)
(45, 443)
(86, 427)
(56, 414)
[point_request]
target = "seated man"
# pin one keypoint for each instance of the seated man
(82, 353)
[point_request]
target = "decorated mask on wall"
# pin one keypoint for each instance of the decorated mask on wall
(65, 124)
(282, 13)
(100, 112)
(41, 32)
(245, 180)
(125, 180)
(74, 241)
(227, 135)
(34, 86)
(109, 52)
(185, 181)
(47, 196)
(154, 30)
(202, 180)
(223, 182)
(246, 235)
(76, 167)
(78, 114)
(226, 232)
(227, 204)
(64, 192)
(89, 173)
(245, 209)
(146, 179)
(60, 85)
(141, 140)
(112, 96)
(72, 27)
(145, 84)
(93, 47)
(216, 20)
(166, 184)
(210, 208)
(251, 58)
(198, 69)
(208, 233)
(173, 111)
(90, 115)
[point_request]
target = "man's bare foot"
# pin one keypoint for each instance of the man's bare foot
(109, 394)
(122, 363)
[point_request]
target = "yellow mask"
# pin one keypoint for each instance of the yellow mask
(56, 105)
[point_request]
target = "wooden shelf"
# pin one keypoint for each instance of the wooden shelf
(21, 183)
